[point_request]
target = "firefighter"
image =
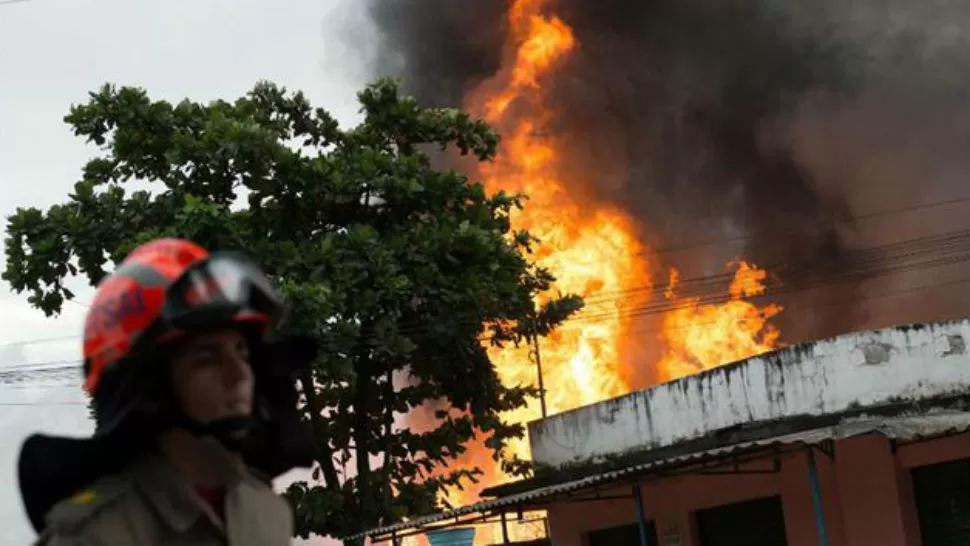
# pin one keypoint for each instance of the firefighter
(196, 411)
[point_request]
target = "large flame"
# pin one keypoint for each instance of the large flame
(593, 251)
(698, 337)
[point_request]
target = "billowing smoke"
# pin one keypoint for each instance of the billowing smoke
(788, 127)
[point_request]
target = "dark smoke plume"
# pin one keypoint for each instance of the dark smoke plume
(777, 121)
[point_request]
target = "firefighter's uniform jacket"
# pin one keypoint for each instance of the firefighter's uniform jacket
(148, 504)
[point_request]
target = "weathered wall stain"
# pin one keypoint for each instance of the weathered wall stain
(956, 345)
(875, 353)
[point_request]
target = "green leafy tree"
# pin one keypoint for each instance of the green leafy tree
(405, 274)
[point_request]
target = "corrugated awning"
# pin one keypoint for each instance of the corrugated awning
(899, 427)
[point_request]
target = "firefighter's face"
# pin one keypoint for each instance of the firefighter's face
(212, 376)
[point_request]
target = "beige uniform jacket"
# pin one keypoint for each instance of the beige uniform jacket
(150, 505)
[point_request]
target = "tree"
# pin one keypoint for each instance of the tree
(406, 275)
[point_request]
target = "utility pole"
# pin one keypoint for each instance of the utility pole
(538, 358)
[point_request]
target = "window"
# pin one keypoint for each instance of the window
(942, 495)
(752, 523)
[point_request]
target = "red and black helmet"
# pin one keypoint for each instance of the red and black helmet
(163, 290)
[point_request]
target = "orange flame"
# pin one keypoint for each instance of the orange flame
(699, 337)
(593, 250)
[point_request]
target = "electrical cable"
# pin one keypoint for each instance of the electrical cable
(838, 304)
(687, 290)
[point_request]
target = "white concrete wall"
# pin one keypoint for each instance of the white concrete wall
(830, 376)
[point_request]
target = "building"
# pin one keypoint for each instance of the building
(860, 440)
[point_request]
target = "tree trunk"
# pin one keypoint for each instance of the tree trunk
(320, 432)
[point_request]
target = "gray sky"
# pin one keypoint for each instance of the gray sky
(52, 52)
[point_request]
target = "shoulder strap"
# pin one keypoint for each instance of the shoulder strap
(72, 513)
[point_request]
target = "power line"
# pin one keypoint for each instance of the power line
(835, 304)
(31, 387)
(845, 221)
(935, 251)
(43, 403)
(853, 258)
(854, 262)
(873, 269)
(61, 366)
(37, 341)
(29, 371)
(778, 290)
(58, 369)
(687, 287)
(838, 304)
(42, 366)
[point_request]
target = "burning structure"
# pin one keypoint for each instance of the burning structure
(706, 176)
(851, 441)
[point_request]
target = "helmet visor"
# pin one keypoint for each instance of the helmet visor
(223, 288)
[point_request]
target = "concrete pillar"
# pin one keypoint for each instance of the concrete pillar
(907, 503)
(796, 497)
(869, 492)
(562, 531)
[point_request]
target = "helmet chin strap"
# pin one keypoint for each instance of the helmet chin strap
(232, 432)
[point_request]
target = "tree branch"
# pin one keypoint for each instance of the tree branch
(388, 442)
